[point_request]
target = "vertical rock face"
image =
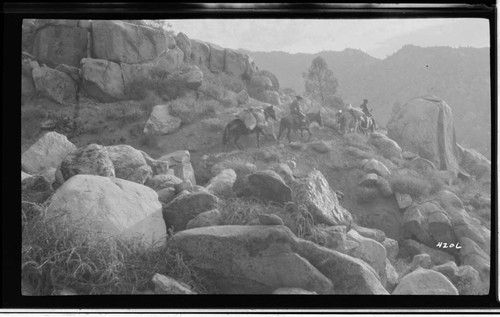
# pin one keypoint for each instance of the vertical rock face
(61, 44)
(425, 126)
(217, 57)
(235, 63)
(102, 79)
(184, 44)
(200, 53)
(118, 41)
(54, 84)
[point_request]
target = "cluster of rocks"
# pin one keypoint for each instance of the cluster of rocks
(105, 56)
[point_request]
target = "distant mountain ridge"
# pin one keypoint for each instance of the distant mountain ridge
(460, 76)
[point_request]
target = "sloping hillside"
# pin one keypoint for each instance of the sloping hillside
(459, 76)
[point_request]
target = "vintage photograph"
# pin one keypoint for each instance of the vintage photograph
(256, 156)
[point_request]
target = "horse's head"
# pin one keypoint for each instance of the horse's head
(269, 112)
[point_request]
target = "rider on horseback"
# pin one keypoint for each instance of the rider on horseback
(298, 116)
(364, 107)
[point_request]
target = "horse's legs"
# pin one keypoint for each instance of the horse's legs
(310, 135)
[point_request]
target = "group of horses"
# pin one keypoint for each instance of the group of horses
(350, 120)
(354, 120)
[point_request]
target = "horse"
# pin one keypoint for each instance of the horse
(369, 125)
(236, 128)
(346, 121)
(289, 124)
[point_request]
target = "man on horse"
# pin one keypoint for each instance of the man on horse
(364, 108)
(295, 109)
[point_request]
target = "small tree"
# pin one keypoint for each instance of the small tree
(320, 84)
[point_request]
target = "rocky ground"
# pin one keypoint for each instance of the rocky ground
(340, 214)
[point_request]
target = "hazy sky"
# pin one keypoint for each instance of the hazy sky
(377, 37)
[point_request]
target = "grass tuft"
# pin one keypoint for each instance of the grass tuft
(56, 256)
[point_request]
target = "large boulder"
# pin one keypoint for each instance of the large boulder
(235, 63)
(274, 80)
(386, 146)
(205, 219)
(474, 162)
(169, 61)
(49, 151)
(269, 96)
(425, 126)
(464, 225)
(349, 275)
(109, 207)
(471, 254)
(54, 84)
(192, 78)
(200, 53)
(370, 251)
(161, 122)
(258, 84)
(129, 163)
(93, 159)
(119, 41)
(465, 278)
(187, 206)
(103, 79)
(425, 282)
(250, 259)
(184, 43)
(60, 44)
(217, 57)
(270, 186)
(222, 184)
(315, 193)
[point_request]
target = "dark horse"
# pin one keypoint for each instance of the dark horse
(236, 128)
(289, 124)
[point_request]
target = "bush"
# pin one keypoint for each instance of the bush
(358, 153)
(160, 83)
(240, 211)
(188, 110)
(222, 81)
(413, 185)
(56, 256)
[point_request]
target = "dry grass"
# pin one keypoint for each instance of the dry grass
(56, 256)
(213, 124)
(414, 185)
(189, 111)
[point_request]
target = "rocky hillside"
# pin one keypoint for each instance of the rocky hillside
(127, 189)
(460, 76)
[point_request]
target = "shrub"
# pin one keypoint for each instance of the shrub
(55, 256)
(188, 110)
(414, 185)
(357, 140)
(240, 211)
